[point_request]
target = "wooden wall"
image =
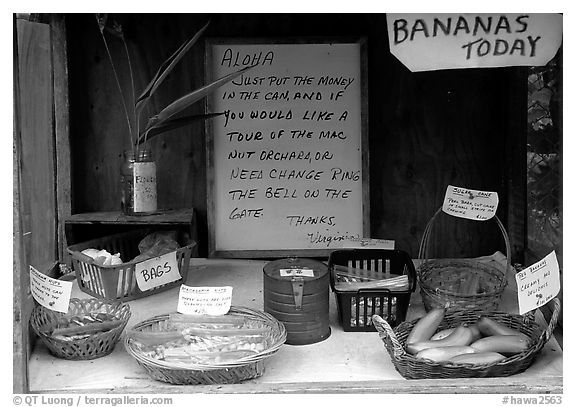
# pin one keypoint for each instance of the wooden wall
(427, 130)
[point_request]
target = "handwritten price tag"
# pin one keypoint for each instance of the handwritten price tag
(145, 198)
(157, 271)
(204, 300)
(538, 283)
(366, 243)
(303, 272)
(469, 203)
(50, 293)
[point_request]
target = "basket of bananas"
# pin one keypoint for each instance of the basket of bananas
(445, 344)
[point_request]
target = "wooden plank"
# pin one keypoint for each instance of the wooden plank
(184, 216)
(21, 311)
(61, 128)
(37, 159)
(506, 385)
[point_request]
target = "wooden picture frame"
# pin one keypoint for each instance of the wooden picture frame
(330, 50)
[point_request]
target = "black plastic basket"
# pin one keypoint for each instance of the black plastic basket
(355, 308)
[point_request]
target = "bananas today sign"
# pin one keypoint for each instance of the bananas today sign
(426, 42)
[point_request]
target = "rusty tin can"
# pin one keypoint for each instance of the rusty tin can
(296, 292)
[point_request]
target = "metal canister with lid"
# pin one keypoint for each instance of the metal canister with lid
(296, 292)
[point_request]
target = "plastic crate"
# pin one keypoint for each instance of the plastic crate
(356, 308)
(119, 282)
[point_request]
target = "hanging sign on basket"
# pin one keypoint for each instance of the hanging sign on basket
(469, 203)
(204, 300)
(157, 271)
(538, 283)
(49, 292)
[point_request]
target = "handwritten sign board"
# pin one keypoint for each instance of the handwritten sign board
(157, 271)
(469, 203)
(287, 161)
(204, 300)
(425, 42)
(49, 292)
(538, 283)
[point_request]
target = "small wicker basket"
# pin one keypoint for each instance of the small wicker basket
(119, 282)
(223, 373)
(453, 281)
(412, 367)
(44, 320)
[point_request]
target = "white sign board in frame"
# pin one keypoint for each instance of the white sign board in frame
(288, 161)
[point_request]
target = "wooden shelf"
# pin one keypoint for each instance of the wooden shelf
(346, 362)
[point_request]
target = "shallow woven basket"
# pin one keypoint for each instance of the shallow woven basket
(441, 280)
(223, 373)
(412, 367)
(96, 345)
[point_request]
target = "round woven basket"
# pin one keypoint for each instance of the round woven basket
(460, 283)
(412, 367)
(44, 320)
(223, 373)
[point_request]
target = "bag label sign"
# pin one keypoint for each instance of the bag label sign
(49, 292)
(157, 271)
(204, 300)
(469, 203)
(538, 284)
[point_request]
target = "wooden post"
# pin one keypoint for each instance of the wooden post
(61, 128)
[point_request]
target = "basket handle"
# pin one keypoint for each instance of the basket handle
(549, 331)
(423, 250)
(385, 331)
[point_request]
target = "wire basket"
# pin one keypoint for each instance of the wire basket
(222, 373)
(355, 308)
(119, 281)
(460, 283)
(412, 367)
(98, 344)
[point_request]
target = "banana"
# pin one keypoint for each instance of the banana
(461, 336)
(502, 344)
(478, 358)
(444, 353)
(426, 326)
(477, 334)
(442, 334)
(489, 327)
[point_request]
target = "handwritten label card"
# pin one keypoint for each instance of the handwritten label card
(145, 198)
(303, 272)
(157, 271)
(366, 243)
(538, 283)
(425, 42)
(469, 203)
(50, 293)
(204, 300)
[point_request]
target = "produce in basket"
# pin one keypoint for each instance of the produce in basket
(487, 339)
(204, 339)
(82, 326)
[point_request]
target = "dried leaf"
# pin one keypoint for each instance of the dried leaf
(166, 68)
(101, 18)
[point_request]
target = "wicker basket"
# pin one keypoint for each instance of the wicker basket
(412, 367)
(445, 281)
(223, 373)
(44, 320)
(119, 282)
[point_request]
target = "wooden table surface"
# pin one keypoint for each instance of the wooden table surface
(345, 362)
